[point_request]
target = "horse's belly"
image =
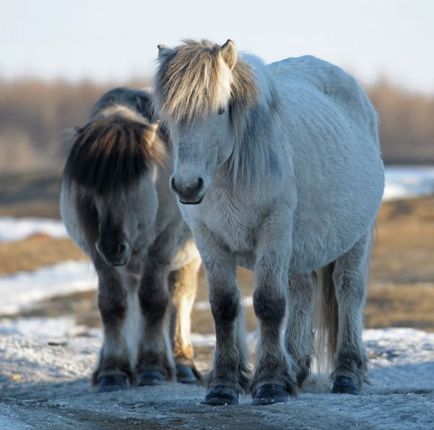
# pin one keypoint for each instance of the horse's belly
(334, 215)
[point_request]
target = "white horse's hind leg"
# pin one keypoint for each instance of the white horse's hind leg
(350, 279)
(298, 333)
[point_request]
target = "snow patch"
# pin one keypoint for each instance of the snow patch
(23, 289)
(53, 329)
(406, 182)
(19, 228)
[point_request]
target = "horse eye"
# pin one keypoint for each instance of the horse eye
(221, 111)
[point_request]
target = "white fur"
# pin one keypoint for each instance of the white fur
(133, 326)
(333, 184)
(307, 187)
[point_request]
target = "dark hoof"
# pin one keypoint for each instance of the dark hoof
(268, 394)
(112, 383)
(151, 377)
(301, 377)
(303, 372)
(344, 385)
(185, 374)
(221, 395)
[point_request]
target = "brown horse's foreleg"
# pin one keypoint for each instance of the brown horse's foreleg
(114, 369)
(155, 360)
(183, 286)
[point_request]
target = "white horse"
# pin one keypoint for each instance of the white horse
(278, 169)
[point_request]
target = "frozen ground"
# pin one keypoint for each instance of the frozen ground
(45, 385)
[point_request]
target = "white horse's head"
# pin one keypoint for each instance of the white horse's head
(200, 91)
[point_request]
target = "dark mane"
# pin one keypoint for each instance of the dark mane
(113, 151)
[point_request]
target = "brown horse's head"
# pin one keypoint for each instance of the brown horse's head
(112, 169)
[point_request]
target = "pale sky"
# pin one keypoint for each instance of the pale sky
(115, 40)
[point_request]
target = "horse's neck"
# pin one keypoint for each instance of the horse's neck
(260, 155)
(167, 204)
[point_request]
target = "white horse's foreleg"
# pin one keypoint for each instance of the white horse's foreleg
(350, 280)
(229, 375)
(274, 376)
(298, 333)
(183, 286)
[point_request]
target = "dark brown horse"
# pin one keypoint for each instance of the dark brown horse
(117, 206)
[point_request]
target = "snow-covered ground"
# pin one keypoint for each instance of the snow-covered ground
(44, 384)
(24, 289)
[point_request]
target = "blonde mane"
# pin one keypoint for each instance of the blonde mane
(194, 81)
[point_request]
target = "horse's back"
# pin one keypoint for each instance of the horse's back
(338, 171)
(139, 101)
(330, 82)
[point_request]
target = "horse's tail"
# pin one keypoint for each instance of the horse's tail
(326, 320)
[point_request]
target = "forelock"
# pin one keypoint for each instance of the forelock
(112, 152)
(193, 82)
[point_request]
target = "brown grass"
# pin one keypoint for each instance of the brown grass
(404, 245)
(36, 251)
(409, 305)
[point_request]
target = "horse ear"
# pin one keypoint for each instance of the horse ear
(163, 52)
(229, 53)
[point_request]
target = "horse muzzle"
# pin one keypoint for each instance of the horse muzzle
(189, 193)
(117, 255)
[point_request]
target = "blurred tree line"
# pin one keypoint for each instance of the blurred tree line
(35, 116)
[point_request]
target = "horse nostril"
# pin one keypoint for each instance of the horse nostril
(199, 185)
(122, 248)
(172, 184)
